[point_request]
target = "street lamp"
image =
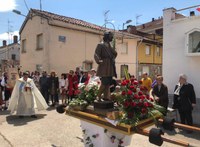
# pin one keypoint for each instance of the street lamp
(128, 21)
(18, 12)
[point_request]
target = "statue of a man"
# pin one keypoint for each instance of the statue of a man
(105, 56)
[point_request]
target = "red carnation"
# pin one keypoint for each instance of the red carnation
(126, 104)
(146, 104)
(127, 81)
(135, 82)
(133, 104)
(142, 97)
(129, 92)
(132, 87)
(136, 96)
(123, 83)
(144, 110)
(139, 104)
(147, 96)
(123, 92)
(140, 93)
(134, 90)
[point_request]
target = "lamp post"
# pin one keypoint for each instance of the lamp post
(18, 12)
(127, 22)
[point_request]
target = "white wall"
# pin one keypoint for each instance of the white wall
(175, 61)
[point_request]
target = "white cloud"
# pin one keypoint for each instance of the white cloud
(7, 5)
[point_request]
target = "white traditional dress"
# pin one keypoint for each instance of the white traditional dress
(25, 101)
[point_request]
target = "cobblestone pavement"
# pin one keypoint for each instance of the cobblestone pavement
(51, 129)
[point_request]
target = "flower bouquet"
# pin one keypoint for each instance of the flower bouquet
(78, 104)
(88, 92)
(135, 104)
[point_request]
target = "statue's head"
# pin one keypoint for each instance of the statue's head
(108, 36)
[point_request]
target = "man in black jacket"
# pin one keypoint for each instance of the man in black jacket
(160, 92)
(184, 100)
(43, 81)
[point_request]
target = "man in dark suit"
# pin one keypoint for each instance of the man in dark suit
(184, 100)
(160, 92)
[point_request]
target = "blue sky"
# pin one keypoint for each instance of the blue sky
(89, 10)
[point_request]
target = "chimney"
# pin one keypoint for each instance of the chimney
(153, 19)
(132, 29)
(4, 43)
(15, 39)
(192, 13)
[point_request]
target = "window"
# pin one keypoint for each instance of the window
(87, 64)
(24, 46)
(38, 67)
(148, 50)
(13, 57)
(194, 42)
(157, 51)
(124, 70)
(61, 38)
(39, 42)
(124, 48)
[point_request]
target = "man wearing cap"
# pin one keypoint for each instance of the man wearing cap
(184, 99)
(26, 97)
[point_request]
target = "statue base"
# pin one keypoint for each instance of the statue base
(103, 105)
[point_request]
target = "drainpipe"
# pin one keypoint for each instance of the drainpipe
(137, 67)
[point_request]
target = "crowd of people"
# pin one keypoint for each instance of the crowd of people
(64, 88)
(184, 98)
(51, 86)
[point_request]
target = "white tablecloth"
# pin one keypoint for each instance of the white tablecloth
(97, 136)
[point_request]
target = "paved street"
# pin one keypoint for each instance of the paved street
(51, 129)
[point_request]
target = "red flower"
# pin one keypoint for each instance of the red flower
(133, 104)
(123, 92)
(132, 87)
(136, 96)
(123, 83)
(135, 82)
(140, 82)
(126, 104)
(147, 96)
(144, 110)
(146, 104)
(140, 93)
(129, 92)
(142, 97)
(139, 104)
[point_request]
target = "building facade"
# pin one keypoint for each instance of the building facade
(181, 52)
(62, 43)
(9, 54)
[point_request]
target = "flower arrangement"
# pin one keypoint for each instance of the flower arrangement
(78, 104)
(135, 103)
(88, 92)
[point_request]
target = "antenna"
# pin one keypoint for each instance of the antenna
(106, 16)
(9, 31)
(40, 5)
(26, 5)
(136, 18)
